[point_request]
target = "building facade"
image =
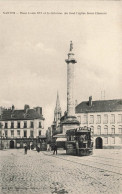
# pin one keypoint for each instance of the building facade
(104, 117)
(20, 127)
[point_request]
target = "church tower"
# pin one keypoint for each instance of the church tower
(57, 111)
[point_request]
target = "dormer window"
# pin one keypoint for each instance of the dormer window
(26, 115)
(12, 115)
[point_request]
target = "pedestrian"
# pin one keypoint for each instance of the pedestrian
(48, 147)
(26, 149)
(55, 149)
(77, 148)
(38, 149)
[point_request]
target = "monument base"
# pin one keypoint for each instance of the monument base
(70, 122)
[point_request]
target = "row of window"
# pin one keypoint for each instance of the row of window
(18, 133)
(72, 138)
(112, 140)
(105, 130)
(98, 119)
(19, 126)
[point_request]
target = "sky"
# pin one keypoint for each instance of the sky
(33, 49)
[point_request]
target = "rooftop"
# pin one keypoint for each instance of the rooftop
(24, 114)
(99, 106)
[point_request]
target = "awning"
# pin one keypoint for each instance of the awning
(61, 135)
(61, 139)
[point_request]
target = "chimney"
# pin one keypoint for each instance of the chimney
(13, 108)
(39, 110)
(26, 107)
(90, 100)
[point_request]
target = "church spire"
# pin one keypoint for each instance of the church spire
(57, 112)
(57, 102)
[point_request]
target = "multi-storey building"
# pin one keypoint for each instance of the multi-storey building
(20, 127)
(104, 117)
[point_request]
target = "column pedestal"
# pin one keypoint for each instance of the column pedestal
(70, 122)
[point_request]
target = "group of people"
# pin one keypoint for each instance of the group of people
(54, 148)
(26, 148)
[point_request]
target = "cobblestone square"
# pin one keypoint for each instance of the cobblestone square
(47, 173)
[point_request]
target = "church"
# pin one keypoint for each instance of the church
(56, 129)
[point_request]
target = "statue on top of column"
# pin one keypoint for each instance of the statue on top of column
(71, 46)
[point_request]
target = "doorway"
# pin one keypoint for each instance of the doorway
(11, 144)
(99, 143)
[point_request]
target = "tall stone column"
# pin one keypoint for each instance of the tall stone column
(70, 121)
(70, 82)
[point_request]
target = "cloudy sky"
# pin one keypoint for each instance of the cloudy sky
(33, 49)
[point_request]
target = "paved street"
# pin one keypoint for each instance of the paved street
(46, 173)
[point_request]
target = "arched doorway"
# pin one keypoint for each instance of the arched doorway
(12, 144)
(99, 143)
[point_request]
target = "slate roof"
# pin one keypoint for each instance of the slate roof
(31, 114)
(99, 106)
